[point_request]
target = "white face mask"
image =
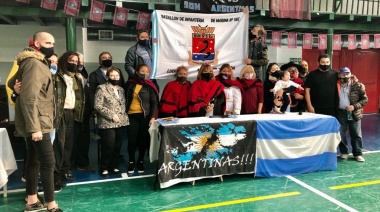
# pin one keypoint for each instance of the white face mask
(248, 76)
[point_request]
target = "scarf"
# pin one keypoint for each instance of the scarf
(145, 82)
(248, 83)
(72, 75)
(230, 83)
(174, 99)
(202, 92)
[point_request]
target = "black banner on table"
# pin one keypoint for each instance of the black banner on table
(205, 150)
(217, 6)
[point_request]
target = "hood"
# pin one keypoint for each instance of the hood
(28, 53)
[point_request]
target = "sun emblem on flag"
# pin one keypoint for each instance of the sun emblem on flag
(97, 11)
(120, 16)
(72, 5)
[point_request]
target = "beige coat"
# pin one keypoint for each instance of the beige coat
(35, 105)
(107, 105)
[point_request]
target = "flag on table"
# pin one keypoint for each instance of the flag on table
(376, 40)
(322, 41)
(23, 1)
(276, 39)
(337, 44)
(292, 40)
(365, 41)
(97, 11)
(307, 41)
(143, 21)
(72, 7)
(351, 41)
(120, 17)
(295, 9)
(49, 4)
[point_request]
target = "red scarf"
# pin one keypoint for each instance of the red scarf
(248, 83)
(174, 99)
(230, 83)
(202, 92)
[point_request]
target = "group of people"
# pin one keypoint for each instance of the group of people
(55, 98)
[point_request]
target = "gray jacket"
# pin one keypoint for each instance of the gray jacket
(133, 58)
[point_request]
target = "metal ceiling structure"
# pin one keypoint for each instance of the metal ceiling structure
(343, 16)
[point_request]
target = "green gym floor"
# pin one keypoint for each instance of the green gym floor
(353, 186)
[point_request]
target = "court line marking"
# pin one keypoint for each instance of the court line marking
(352, 185)
(234, 202)
(337, 202)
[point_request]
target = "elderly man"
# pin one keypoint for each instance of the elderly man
(258, 51)
(352, 99)
(33, 120)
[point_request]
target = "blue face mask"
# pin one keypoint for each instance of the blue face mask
(53, 69)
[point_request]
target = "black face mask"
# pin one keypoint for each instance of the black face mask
(107, 63)
(113, 82)
(72, 67)
(48, 52)
(144, 42)
(140, 76)
(206, 76)
(344, 80)
(324, 67)
(181, 79)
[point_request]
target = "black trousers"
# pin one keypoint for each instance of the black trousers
(138, 136)
(63, 144)
(111, 142)
(40, 156)
(81, 143)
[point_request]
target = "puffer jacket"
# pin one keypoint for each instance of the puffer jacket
(358, 97)
(35, 105)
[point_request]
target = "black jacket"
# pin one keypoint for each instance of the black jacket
(147, 96)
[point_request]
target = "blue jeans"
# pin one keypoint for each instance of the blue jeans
(355, 128)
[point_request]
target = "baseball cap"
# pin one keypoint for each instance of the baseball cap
(344, 70)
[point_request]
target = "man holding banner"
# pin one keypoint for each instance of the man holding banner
(258, 51)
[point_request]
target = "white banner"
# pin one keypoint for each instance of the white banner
(191, 39)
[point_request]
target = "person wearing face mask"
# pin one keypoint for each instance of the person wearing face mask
(69, 108)
(296, 95)
(352, 99)
(253, 95)
(175, 95)
(33, 114)
(79, 157)
(141, 106)
(206, 96)
(320, 88)
(98, 77)
(140, 53)
(305, 71)
(232, 90)
(112, 119)
(258, 51)
(270, 81)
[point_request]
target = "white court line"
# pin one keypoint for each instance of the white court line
(340, 204)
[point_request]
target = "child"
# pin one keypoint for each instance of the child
(279, 93)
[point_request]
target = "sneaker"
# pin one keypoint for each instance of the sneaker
(23, 179)
(344, 156)
(85, 168)
(104, 173)
(140, 167)
(360, 158)
(38, 206)
(69, 176)
(57, 209)
(115, 171)
(131, 168)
